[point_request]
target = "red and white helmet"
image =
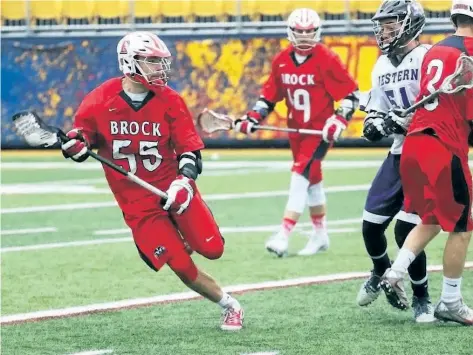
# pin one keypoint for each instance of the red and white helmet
(303, 30)
(461, 7)
(143, 57)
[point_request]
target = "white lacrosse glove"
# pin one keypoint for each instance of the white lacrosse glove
(396, 122)
(180, 194)
(373, 126)
(333, 128)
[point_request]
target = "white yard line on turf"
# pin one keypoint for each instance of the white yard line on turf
(184, 296)
(339, 222)
(212, 197)
(263, 353)
(211, 165)
(28, 231)
(94, 352)
(129, 239)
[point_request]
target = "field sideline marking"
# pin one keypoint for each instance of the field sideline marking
(27, 231)
(185, 296)
(211, 197)
(78, 243)
(94, 352)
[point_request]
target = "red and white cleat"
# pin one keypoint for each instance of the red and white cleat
(232, 319)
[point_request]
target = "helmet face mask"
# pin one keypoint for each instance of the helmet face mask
(397, 23)
(144, 58)
(388, 32)
(155, 70)
(303, 30)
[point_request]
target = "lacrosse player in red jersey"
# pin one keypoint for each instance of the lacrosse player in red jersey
(435, 175)
(310, 77)
(141, 124)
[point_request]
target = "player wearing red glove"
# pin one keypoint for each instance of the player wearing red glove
(141, 124)
(310, 77)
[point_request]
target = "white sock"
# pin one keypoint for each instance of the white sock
(228, 301)
(403, 261)
(451, 290)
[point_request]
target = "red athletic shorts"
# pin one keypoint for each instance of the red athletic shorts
(303, 148)
(436, 183)
(160, 238)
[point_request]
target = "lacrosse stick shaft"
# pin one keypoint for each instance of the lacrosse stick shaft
(421, 103)
(290, 130)
(120, 170)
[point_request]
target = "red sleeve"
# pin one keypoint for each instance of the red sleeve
(85, 119)
(184, 136)
(469, 107)
(271, 89)
(337, 80)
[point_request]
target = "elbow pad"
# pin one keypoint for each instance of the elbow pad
(349, 105)
(190, 164)
(263, 107)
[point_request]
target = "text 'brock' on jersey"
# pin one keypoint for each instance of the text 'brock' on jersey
(301, 79)
(135, 128)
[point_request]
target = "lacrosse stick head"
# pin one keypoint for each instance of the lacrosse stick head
(34, 131)
(461, 79)
(210, 121)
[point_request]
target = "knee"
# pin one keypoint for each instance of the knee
(402, 230)
(316, 195)
(215, 251)
(184, 267)
(369, 229)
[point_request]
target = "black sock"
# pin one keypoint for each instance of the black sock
(376, 245)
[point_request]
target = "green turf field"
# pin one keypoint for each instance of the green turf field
(64, 245)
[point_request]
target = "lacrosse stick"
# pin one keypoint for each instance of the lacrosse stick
(210, 121)
(461, 79)
(37, 134)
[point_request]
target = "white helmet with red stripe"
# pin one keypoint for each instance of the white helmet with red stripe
(143, 57)
(303, 29)
(461, 7)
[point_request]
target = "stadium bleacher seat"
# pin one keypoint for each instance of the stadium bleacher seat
(46, 12)
(146, 11)
(13, 13)
(76, 12)
(207, 10)
(318, 6)
(112, 12)
(336, 9)
(436, 8)
(364, 9)
(247, 9)
(276, 10)
(175, 11)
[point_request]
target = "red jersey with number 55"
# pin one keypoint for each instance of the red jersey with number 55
(310, 88)
(448, 115)
(142, 137)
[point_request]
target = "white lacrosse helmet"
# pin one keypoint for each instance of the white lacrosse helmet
(303, 30)
(145, 58)
(461, 7)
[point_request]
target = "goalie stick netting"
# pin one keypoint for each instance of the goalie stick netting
(461, 79)
(210, 121)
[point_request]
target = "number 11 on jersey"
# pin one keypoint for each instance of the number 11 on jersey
(300, 100)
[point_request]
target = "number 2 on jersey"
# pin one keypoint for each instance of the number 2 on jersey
(147, 148)
(300, 100)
